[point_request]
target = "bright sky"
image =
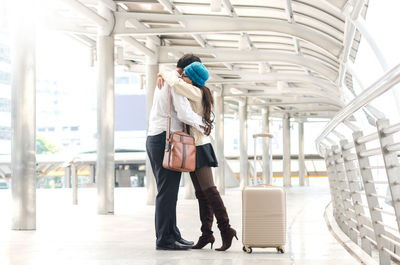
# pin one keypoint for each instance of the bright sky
(382, 22)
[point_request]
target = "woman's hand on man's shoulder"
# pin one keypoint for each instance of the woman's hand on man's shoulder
(160, 81)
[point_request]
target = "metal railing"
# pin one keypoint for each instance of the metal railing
(364, 175)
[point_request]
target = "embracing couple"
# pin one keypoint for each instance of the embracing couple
(192, 104)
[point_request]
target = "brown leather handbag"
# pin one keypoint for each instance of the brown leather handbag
(180, 149)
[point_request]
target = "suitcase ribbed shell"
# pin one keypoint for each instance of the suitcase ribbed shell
(264, 216)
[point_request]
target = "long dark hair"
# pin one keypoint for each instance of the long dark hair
(208, 105)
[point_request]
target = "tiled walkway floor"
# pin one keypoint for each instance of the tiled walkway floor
(75, 235)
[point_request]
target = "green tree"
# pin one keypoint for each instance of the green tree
(45, 147)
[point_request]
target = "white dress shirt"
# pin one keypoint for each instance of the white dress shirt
(181, 112)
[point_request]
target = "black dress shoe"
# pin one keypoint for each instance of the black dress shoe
(185, 242)
(173, 246)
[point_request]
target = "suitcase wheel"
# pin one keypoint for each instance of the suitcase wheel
(247, 249)
(280, 250)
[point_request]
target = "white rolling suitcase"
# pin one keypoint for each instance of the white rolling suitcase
(264, 217)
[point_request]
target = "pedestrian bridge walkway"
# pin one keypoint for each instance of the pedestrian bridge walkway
(76, 234)
(295, 62)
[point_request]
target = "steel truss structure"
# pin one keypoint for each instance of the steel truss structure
(306, 45)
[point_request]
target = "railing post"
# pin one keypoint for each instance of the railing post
(330, 174)
(369, 186)
(354, 187)
(345, 193)
(338, 212)
(392, 166)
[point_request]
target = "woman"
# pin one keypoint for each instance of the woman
(210, 202)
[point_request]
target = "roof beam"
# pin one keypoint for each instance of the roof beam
(289, 11)
(229, 8)
(322, 99)
(67, 25)
(236, 56)
(335, 8)
(168, 6)
(274, 91)
(296, 43)
(349, 33)
(310, 109)
(138, 45)
(207, 24)
(86, 12)
(231, 12)
(274, 77)
(328, 113)
(110, 4)
(289, 102)
(85, 40)
(138, 25)
(197, 37)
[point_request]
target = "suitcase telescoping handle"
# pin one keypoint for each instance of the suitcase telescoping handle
(255, 136)
(261, 185)
(264, 185)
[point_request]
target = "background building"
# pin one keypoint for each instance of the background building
(5, 95)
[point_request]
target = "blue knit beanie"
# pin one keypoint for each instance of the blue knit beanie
(198, 73)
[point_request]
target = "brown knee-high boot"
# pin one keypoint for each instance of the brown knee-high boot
(227, 233)
(206, 218)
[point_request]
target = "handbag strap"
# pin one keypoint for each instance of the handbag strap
(169, 115)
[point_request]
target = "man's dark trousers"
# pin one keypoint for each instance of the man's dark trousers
(168, 187)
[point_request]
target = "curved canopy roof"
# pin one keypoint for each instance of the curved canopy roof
(284, 54)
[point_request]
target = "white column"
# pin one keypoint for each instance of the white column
(152, 69)
(105, 119)
(118, 174)
(219, 140)
(23, 117)
(244, 159)
(266, 155)
(92, 173)
(74, 184)
(302, 168)
(286, 151)
(67, 177)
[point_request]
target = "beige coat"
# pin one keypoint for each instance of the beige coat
(194, 95)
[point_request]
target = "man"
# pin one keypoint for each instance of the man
(167, 233)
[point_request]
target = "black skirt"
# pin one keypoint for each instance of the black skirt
(205, 156)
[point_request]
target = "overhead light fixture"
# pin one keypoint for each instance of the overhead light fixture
(216, 5)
